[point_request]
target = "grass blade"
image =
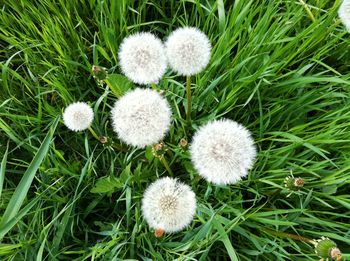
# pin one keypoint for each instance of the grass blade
(2, 169)
(21, 191)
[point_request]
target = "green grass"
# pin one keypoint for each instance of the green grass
(273, 69)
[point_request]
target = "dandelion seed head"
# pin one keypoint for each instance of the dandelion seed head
(223, 151)
(169, 205)
(78, 116)
(344, 13)
(188, 50)
(142, 58)
(141, 117)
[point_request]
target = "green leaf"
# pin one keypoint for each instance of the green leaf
(106, 184)
(21, 191)
(225, 239)
(2, 170)
(119, 84)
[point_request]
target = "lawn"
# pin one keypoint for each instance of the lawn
(281, 68)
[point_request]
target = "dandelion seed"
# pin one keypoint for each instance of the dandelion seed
(141, 117)
(168, 205)
(223, 151)
(344, 13)
(142, 58)
(188, 50)
(78, 116)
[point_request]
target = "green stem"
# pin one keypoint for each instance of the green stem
(166, 165)
(154, 86)
(94, 133)
(189, 100)
(306, 7)
(287, 235)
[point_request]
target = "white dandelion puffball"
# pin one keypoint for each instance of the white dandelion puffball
(344, 13)
(141, 117)
(142, 58)
(188, 50)
(223, 151)
(78, 116)
(168, 205)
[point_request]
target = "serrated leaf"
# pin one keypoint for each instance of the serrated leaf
(106, 184)
(119, 84)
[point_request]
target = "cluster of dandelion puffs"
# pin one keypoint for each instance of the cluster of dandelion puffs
(222, 151)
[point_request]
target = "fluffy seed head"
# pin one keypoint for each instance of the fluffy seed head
(223, 151)
(188, 50)
(344, 13)
(78, 116)
(141, 117)
(168, 205)
(142, 58)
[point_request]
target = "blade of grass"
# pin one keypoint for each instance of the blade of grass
(21, 191)
(2, 169)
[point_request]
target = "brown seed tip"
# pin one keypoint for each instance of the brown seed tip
(103, 139)
(336, 254)
(158, 146)
(299, 182)
(162, 92)
(158, 232)
(183, 143)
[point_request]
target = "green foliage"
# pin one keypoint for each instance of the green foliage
(273, 69)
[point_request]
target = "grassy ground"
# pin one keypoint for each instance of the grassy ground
(278, 67)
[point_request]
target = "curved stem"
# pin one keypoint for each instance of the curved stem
(287, 235)
(94, 133)
(189, 100)
(166, 165)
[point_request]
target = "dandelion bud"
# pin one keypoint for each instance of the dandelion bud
(294, 184)
(99, 73)
(103, 139)
(183, 143)
(327, 249)
(159, 150)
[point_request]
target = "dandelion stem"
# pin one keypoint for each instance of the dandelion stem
(166, 165)
(94, 133)
(189, 100)
(287, 235)
(306, 7)
(154, 86)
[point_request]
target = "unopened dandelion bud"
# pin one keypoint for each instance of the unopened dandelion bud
(183, 143)
(103, 139)
(159, 150)
(294, 184)
(99, 73)
(327, 249)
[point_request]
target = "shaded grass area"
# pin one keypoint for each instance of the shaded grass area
(272, 69)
